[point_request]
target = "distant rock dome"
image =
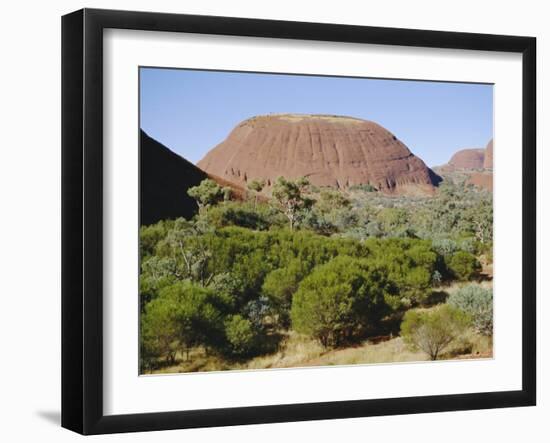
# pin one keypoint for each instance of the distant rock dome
(468, 159)
(330, 150)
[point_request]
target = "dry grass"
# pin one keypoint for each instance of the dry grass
(300, 351)
(455, 286)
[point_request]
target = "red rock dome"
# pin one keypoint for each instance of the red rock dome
(330, 150)
(468, 159)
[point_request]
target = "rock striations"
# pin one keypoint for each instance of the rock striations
(330, 150)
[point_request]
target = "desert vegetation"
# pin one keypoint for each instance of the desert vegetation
(299, 275)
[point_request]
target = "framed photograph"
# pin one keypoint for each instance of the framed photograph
(269, 221)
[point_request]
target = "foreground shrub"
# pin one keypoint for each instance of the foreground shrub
(478, 303)
(338, 299)
(464, 266)
(281, 284)
(241, 335)
(433, 331)
(410, 263)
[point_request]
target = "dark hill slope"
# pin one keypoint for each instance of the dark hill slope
(165, 178)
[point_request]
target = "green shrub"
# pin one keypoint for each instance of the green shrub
(445, 246)
(158, 335)
(236, 214)
(338, 299)
(241, 335)
(281, 284)
(478, 303)
(191, 311)
(464, 266)
(410, 263)
(432, 331)
(209, 193)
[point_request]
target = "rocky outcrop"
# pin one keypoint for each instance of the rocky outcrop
(488, 160)
(477, 164)
(330, 150)
(468, 159)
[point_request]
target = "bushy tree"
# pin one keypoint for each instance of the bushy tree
(209, 193)
(464, 266)
(338, 299)
(241, 336)
(330, 200)
(238, 214)
(393, 220)
(433, 331)
(410, 263)
(281, 284)
(150, 235)
(478, 303)
(189, 310)
(158, 334)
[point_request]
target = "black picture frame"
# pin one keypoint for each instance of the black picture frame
(82, 219)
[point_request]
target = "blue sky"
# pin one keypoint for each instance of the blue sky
(192, 111)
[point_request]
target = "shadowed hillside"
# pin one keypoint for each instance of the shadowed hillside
(164, 180)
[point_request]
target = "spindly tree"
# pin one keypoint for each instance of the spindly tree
(256, 186)
(289, 197)
(209, 193)
(433, 331)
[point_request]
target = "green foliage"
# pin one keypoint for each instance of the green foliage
(464, 266)
(241, 336)
(477, 302)
(238, 214)
(432, 331)
(289, 196)
(330, 200)
(209, 193)
(281, 284)
(150, 235)
(410, 264)
(363, 187)
(338, 298)
(236, 277)
(393, 220)
(256, 185)
(158, 334)
(196, 314)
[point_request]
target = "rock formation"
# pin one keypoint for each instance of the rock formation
(476, 163)
(330, 150)
(488, 160)
(482, 179)
(468, 159)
